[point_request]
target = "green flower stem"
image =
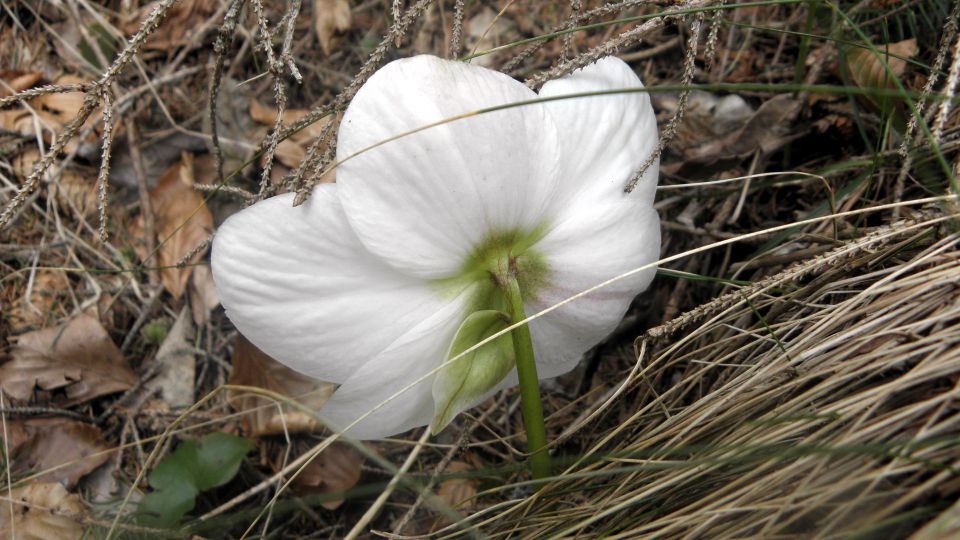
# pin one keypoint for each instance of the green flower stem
(529, 383)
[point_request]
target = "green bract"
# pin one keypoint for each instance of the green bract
(430, 235)
(462, 382)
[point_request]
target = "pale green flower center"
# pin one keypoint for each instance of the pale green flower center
(498, 257)
(503, 264)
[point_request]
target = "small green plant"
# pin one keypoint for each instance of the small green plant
(195, 466)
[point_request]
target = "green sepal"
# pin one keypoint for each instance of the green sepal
(461, 383)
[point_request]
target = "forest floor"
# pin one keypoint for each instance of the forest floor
(792, 372)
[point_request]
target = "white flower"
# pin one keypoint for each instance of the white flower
(367, 283)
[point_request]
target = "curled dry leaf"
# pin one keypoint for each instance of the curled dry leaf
(457, 492)
(67, 449)
(41, 512)
(183, 222)
(335, 470)
(867, 69)
(329, 17)
(77, 360)
(252, 367)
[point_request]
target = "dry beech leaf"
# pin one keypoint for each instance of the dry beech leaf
(253, 367)
(12, 82)
(183, 222)
(60, 108)
(39, 306)
(266, 116)
(175, 377)
(457, 492)
(41, 512)
(867, 69)
(65, 448)
(329, 17)
(49, 113)
(336, 469)
(77, 358)
(64, 105)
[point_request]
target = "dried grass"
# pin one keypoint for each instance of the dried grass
(820, 408)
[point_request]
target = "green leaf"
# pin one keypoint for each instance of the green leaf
(163, 508)
(462, 383)
(219, 456)
(194, 466)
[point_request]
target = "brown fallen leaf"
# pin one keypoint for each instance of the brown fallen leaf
(12, 82)
(65, 448)
(77, 360)
(769, 129)
(58, 109)
(266, 116)
(72, 189)
(291, 151)
(183, 222)
(457, 492)
(41, 304)
(708, 117)
(175, 377)
(42, 512)
(253, 367)
(336, 469)
(329, 17)
(867, 69)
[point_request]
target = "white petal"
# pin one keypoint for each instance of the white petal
(425, 200)
(299, 285)
(410, 357)
(595, 245)
(603, 139)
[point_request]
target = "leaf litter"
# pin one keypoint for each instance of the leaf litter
(711, 386)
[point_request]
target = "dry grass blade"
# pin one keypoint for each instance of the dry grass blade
(819, 407)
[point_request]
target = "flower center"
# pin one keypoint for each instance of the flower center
(500, 257)
(500, 274)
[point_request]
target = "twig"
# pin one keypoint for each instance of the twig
(456, 40)
(104, 174)
(689, 69)
(146, 206)
(224, 35)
